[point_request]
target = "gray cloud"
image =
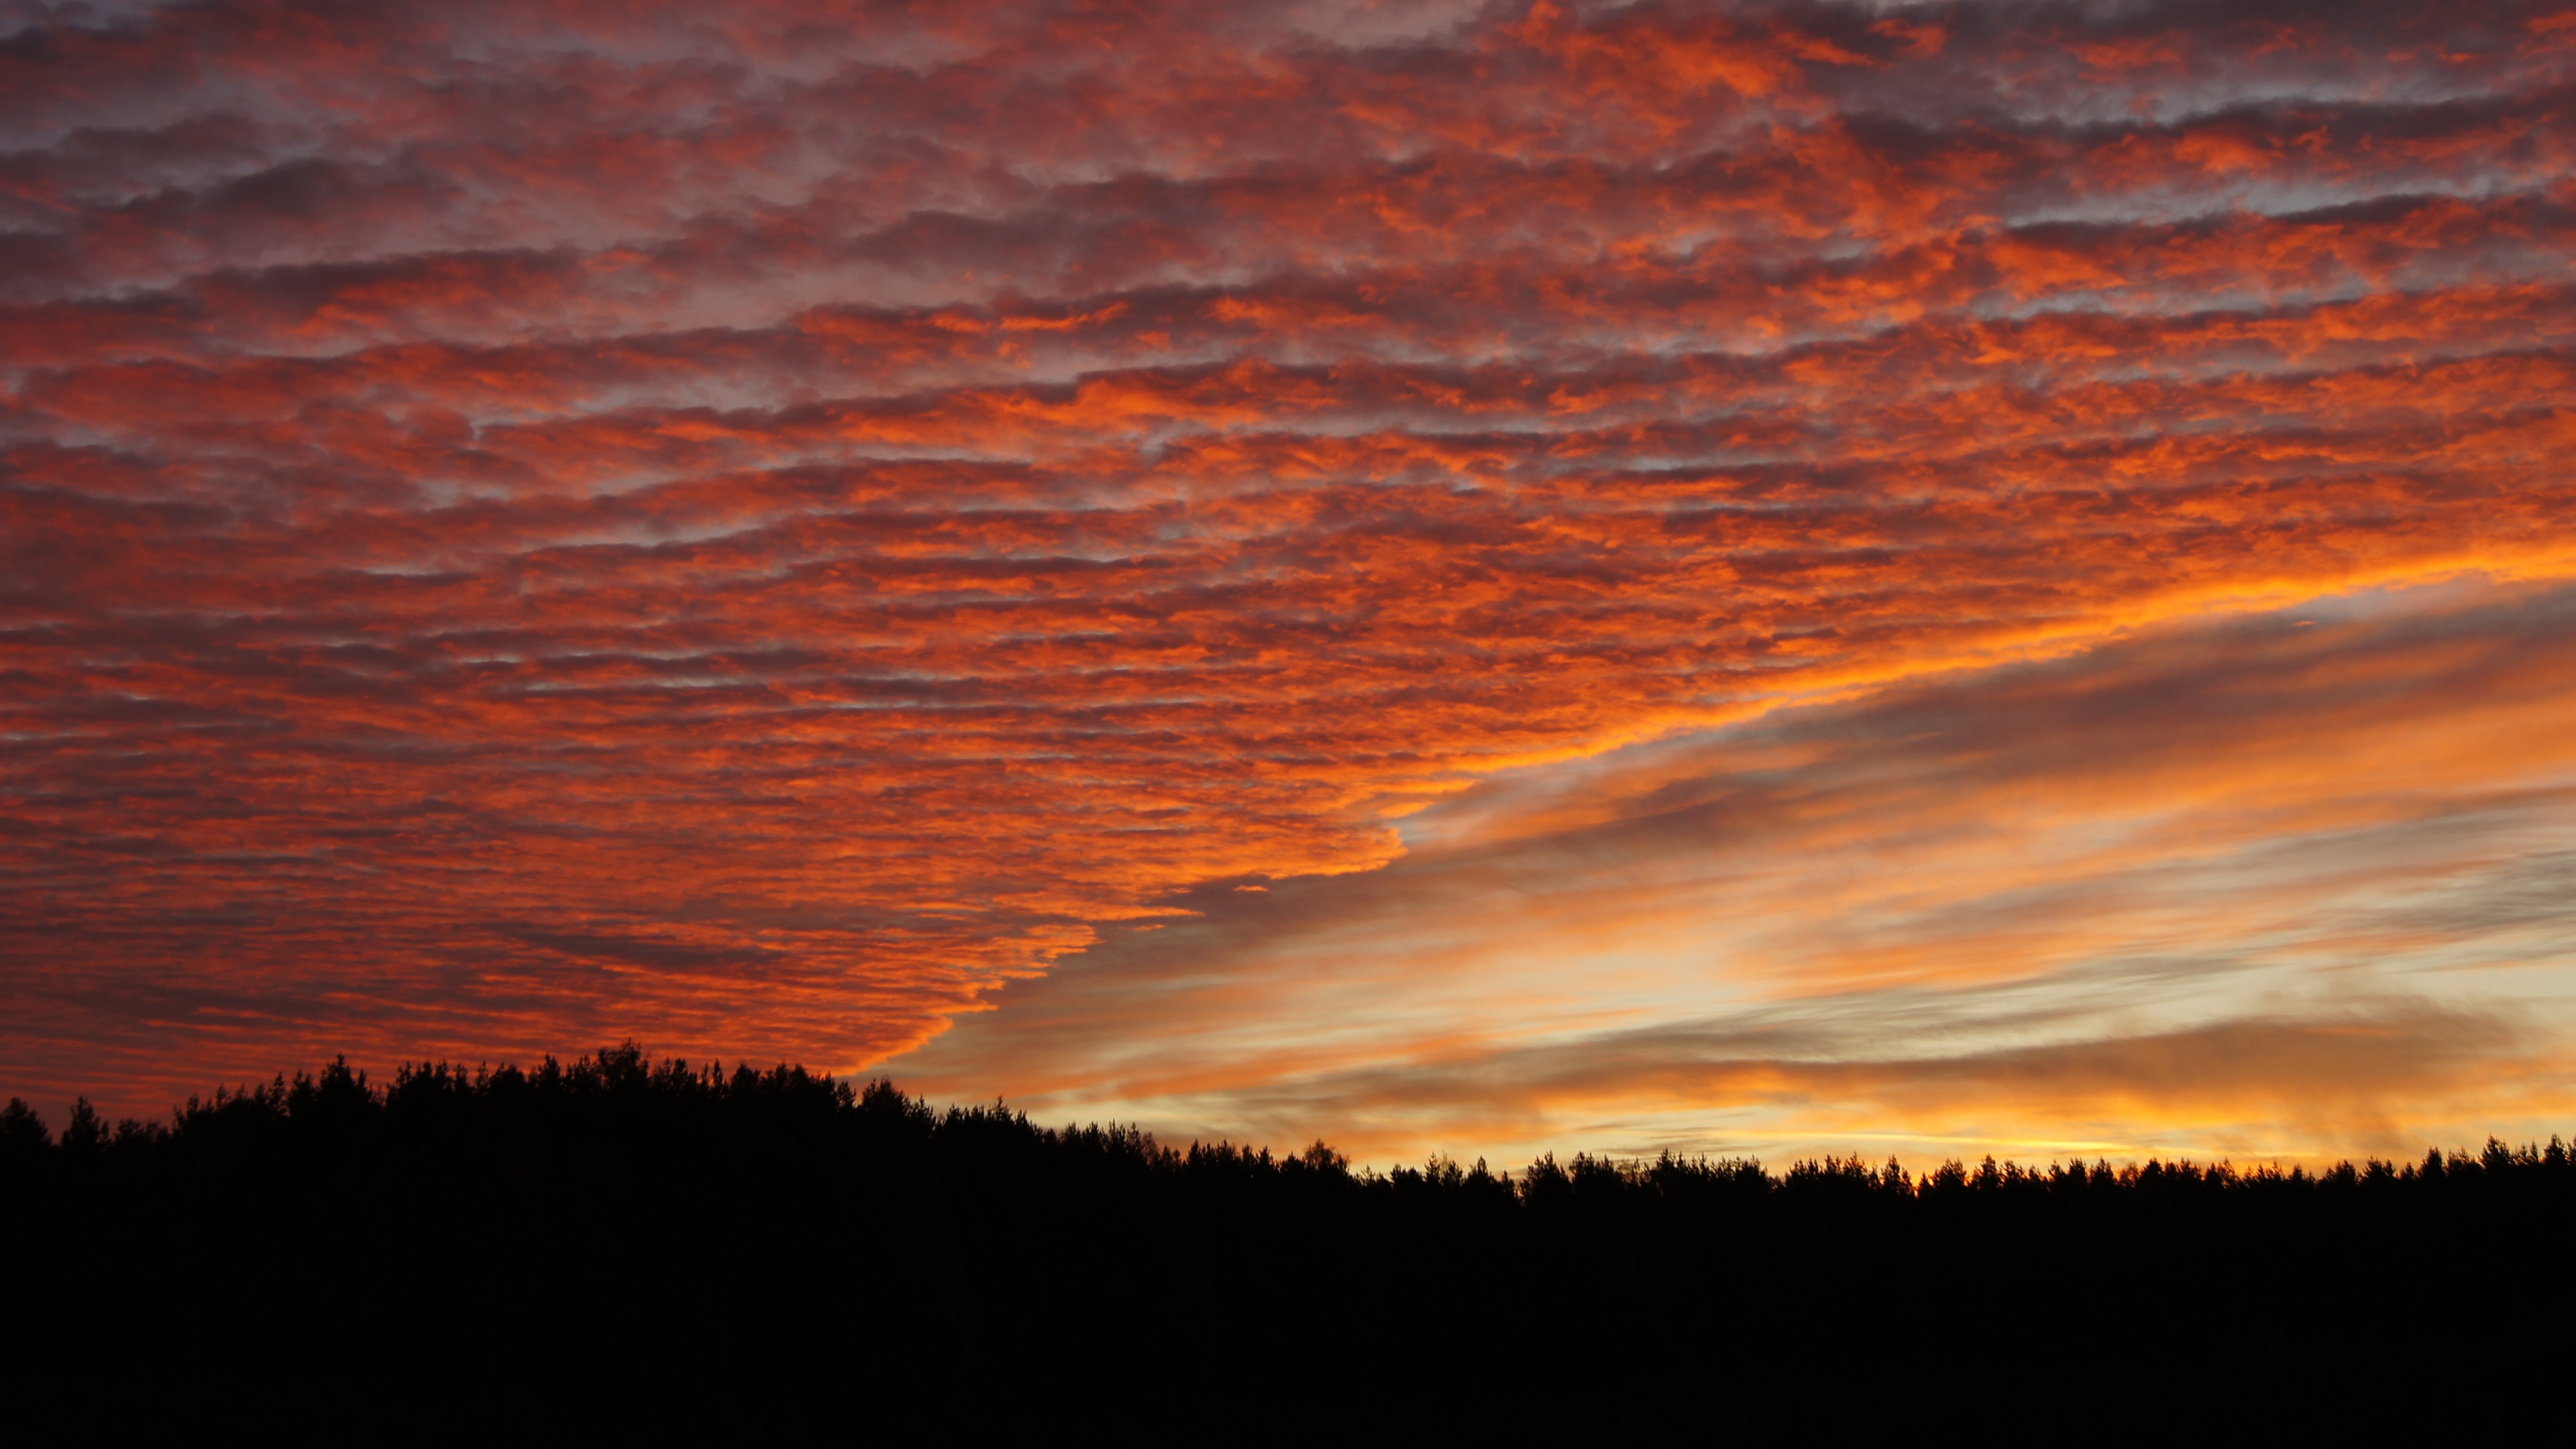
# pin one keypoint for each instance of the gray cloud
(2264, 850)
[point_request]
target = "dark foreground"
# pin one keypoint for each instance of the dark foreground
(617, 1248)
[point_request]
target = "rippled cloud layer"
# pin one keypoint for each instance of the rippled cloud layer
(753, 527)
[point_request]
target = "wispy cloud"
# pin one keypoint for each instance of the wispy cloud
(2291, 883)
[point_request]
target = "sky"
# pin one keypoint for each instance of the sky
(1469, 579)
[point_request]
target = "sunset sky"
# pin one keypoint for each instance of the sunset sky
(1455, 578)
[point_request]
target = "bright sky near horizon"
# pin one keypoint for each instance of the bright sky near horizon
(1454, 578)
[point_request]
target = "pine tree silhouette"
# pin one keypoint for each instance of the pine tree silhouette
(745, 1247)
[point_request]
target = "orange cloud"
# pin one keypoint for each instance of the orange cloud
(2281, 884)
(752, 528)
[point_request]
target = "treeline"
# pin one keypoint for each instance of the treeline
(338, 1116)
(667, 1234)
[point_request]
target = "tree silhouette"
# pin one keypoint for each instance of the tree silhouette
(746, 1248)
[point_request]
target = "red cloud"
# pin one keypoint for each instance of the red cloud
(748, 528)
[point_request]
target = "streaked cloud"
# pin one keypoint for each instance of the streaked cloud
(2293, 883)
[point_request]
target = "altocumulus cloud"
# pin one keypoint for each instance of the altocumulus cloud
(757, 527)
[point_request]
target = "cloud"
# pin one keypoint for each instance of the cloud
(2291, 881)
(856, 504)
(2355, 1080)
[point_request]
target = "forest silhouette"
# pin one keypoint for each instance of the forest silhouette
(615, 1241)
